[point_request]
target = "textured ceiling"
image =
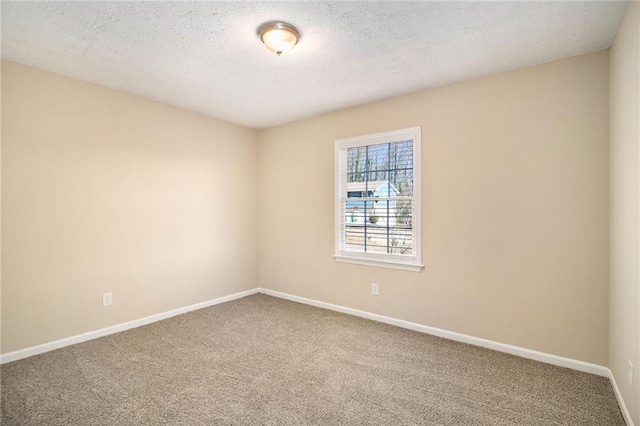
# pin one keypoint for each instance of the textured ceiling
(206, 56)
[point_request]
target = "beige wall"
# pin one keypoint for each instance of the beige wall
(624, 326)
(104, 191)
(0, 211)
(515, 216)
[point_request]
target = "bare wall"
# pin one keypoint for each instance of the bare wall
(624, 327)
(515, 215)
(108, 192)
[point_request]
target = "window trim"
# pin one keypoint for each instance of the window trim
(407, 263)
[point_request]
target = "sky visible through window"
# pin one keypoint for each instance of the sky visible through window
(391, 162)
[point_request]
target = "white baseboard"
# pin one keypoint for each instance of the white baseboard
(501, 347)
(621, 403)
(35, 350)
(476, 341)
(458, 337)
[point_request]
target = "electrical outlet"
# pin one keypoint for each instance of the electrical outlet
(631, 375)
(375, 290)
(107, 299)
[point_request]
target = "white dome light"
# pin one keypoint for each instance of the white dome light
(279, 37)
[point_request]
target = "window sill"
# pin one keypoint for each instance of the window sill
(381, 263)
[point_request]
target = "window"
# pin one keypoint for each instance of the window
(378, 199)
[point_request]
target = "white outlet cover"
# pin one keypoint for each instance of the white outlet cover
(107, 299)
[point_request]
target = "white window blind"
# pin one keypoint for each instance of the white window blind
(378, 199)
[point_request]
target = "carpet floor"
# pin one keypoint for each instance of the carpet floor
(266, 361)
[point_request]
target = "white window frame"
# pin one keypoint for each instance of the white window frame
(396, 261)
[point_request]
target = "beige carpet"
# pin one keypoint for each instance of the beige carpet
(266, 361)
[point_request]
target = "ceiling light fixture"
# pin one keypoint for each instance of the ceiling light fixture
(279, 37)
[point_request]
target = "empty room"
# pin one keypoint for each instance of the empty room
(320, 213)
